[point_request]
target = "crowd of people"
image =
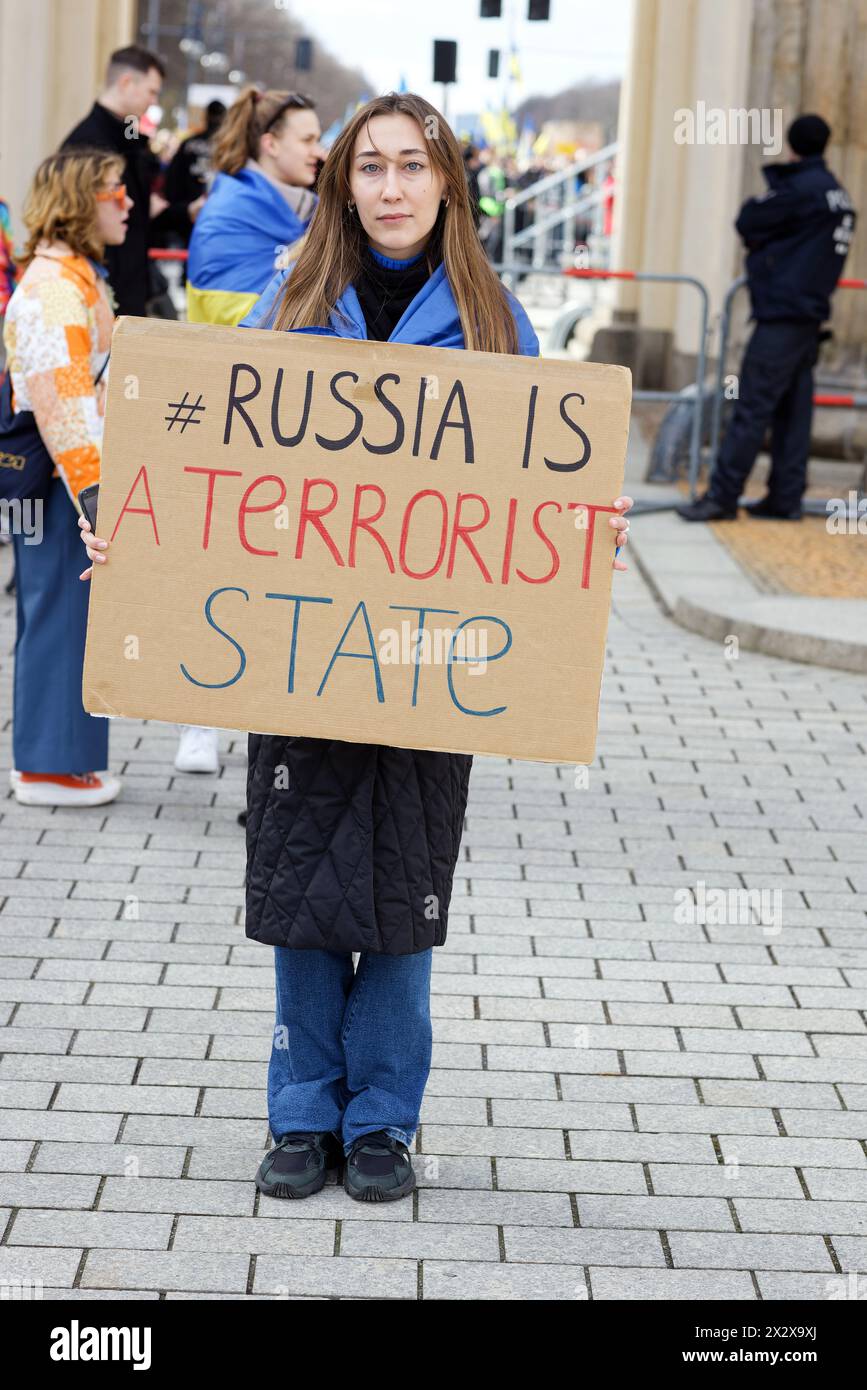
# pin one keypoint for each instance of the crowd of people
(236, 195)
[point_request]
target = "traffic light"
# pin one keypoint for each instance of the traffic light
(303, 55)
(493, 62)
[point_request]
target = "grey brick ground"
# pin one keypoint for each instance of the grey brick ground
(627, 1102)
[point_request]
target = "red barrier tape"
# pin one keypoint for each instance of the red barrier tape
(159, 253)
(600, 274)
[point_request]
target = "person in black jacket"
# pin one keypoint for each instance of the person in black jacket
(797, 236)
(133, 82)
(188, 179)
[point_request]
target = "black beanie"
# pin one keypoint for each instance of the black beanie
(808, 135)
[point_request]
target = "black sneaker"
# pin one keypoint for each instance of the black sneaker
(299, 1164)
(378, 1169)
(706, 509)
(764, 507)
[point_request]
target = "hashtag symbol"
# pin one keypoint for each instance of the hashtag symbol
(185, 412)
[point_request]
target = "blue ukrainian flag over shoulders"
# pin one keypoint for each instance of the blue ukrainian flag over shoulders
(431, 319)
(238, 237)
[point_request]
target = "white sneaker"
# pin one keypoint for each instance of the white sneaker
(64, 789)
(197, 750)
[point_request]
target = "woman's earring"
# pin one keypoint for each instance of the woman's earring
(350, 206)
(448, 199)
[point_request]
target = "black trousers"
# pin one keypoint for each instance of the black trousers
(775, 390)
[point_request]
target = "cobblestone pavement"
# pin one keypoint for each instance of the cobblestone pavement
(626, 1102)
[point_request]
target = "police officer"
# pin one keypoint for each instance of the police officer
(797, 236)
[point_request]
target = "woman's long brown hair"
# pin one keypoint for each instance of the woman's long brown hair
(330, 257)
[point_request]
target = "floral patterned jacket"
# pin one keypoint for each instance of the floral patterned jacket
(57, 335)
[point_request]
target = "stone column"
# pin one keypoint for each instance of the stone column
(52, 62)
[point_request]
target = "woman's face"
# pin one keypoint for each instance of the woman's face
(395, 185)
(112, 212)
(293, 154)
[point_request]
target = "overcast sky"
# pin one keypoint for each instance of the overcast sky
(390, 38)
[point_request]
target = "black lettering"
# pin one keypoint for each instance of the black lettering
(579, 463)
(531, 415)
(456, 393)
(393, 412)
(289, 440)
(237, 402)
(355, 431)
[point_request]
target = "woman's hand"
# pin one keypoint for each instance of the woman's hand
(620, 525)
(94, 546)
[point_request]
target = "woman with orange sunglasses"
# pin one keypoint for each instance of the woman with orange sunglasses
(57, 334)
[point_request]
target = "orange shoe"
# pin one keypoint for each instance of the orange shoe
(65, 789)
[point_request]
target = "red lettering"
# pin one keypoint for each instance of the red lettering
(588, 548)
(213, 474)
(141, 511)
(552, 548)
(365, 523)
(314, 515)
(267, 507)
(510, 537)
(404, 532)
(463, 533)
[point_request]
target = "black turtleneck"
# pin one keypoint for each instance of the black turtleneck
(385, 293)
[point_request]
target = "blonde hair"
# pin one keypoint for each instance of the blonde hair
(61, 204)
(331, 256)
(247, 120)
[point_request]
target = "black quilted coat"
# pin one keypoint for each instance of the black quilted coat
(351, 846)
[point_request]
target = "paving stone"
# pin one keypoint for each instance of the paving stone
(204, 1272)
(584, 1247)
(447, 1279)
(145, 1160)
(92, 1230)
(420, 1240)
(655, 1213)
(665, 1285)
(712, 1250)
(255, 1235)
(28, 1265)
(177, 1195)
(487, 1139)
(391, 1278)
(825, 1218)
(725, 1180)
(500, 1208)
(543, 1175)
(794, 1152)
(779, 1285)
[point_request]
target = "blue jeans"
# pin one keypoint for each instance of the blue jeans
(352, 1049)
(51, 730)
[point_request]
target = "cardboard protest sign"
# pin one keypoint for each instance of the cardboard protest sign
(379, 543)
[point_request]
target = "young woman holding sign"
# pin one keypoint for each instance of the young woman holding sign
(352, 847)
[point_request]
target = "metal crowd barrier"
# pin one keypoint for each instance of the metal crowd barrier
(650, 277)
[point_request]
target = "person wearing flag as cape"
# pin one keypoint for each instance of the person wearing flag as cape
(266, 155)
(352, 847)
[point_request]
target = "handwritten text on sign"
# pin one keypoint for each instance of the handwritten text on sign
(285, 508)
